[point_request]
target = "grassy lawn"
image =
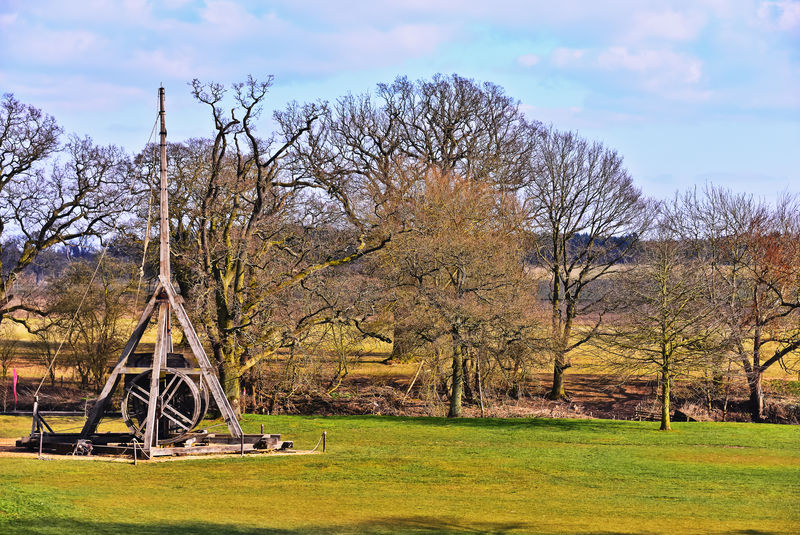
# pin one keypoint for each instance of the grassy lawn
(428, 475)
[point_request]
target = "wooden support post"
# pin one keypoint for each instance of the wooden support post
(241, 446)
(35, 423)
(163, 229)
(41, 438)
(164, 337)
(324, 441)
(43, 423)
(111, 383)
(159, 358)
(262, 429)
(202, 360)
(135, 460)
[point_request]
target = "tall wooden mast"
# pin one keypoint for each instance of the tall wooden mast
(164, 219)
(163, 334)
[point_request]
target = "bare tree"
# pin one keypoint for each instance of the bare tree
(458, 271)
(753, 250)
(88, 312)
(256, 219)
(666, 320)
(384, 141)
(50, 194)
(586, 216)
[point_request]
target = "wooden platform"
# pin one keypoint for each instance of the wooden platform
(125, 444)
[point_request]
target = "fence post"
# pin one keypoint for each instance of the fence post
(35, 423)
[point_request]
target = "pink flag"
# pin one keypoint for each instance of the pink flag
(14, 382)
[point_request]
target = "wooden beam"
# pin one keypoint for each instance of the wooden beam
(102, 400)
(159, 359)
(202, 360)
(163, 229)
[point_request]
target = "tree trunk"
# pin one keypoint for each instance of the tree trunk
(558, 392)
(466, 380)
(458, 381)
(756, 394)
(665, 393)
(228, 369)
(402, 342)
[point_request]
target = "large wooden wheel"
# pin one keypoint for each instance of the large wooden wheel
(179, 406)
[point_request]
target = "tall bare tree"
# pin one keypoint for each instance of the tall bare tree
(666, 320)
(256, 219)
(450, 124)
(586, 216)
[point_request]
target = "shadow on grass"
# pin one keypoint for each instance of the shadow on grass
(412, 525)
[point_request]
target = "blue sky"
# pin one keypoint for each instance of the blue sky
(689, 92)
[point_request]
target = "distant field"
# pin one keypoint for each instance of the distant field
(429, 475)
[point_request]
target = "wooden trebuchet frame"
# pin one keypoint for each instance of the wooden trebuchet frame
(168, 301)
(165, 391)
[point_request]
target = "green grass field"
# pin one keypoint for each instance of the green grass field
(428, 475)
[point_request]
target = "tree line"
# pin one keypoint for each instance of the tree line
(431, 214)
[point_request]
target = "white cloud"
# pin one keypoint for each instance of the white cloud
(659, 71)
(528, 60)
(75, 93)
(168, 64)
(55, 47)
(663, 64)
(228, 17)
(372, 47)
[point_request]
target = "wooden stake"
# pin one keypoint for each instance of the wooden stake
(414, 380)
(35, 423)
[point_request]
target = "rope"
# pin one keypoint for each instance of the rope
(319, 442)
(89, 285)
(149, 223)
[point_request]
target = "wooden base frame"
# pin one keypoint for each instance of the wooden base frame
(125, 444)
